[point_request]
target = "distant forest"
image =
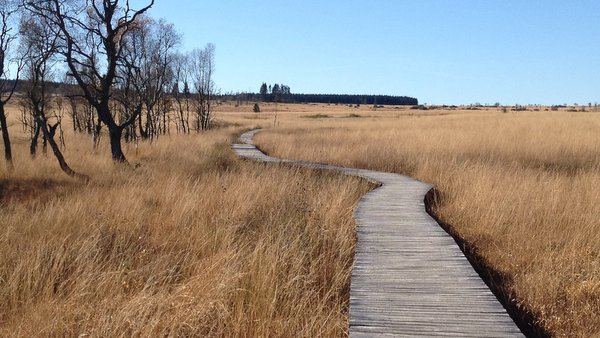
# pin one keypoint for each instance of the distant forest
(282, 93)
(325, 98)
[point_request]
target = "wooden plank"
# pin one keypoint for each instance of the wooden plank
(409, 277)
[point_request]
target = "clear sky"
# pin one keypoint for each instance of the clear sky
(439, 51)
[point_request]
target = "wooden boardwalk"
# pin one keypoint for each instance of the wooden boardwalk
(409, 276)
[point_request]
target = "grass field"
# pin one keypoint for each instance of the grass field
(193, 243)
(197, 242)
(520, 186)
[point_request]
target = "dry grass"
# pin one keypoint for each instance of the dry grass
(522, 187)
(193, 243)
(196, 242)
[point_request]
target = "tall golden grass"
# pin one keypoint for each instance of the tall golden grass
(521, 187)
(193, 243)
(197, 242)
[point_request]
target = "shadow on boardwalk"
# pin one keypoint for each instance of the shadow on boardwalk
(409, 277)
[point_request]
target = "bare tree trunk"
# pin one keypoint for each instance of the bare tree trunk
(182, 120)
(169, 125)
(143, 133)
(6, 138)
(115, 144)
(164, 121)
(96, 133)
(187, 115)
(90, 120)
(115, 132)
(49, 136)
(44, 145)
(34, 139)
(149, 124)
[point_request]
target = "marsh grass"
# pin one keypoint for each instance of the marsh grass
(194, 242)
(521, 187)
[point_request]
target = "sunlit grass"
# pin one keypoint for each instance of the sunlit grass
(520, 186)
(193, 243)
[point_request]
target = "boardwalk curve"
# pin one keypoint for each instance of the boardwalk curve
(409, 276)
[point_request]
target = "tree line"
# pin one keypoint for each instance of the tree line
(354, 99)
(282, 93)
(120, 69)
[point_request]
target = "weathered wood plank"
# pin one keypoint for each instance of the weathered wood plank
(409, 277)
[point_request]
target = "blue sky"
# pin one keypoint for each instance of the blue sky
(439, 51)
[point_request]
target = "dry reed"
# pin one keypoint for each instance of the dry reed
(193, 243)
(521, 187)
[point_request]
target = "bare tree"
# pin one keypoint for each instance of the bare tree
(8, 37)
(182, 96)
(92, 34)
(148, 59)
(166, 39)
(202, 63)
(39, 47)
